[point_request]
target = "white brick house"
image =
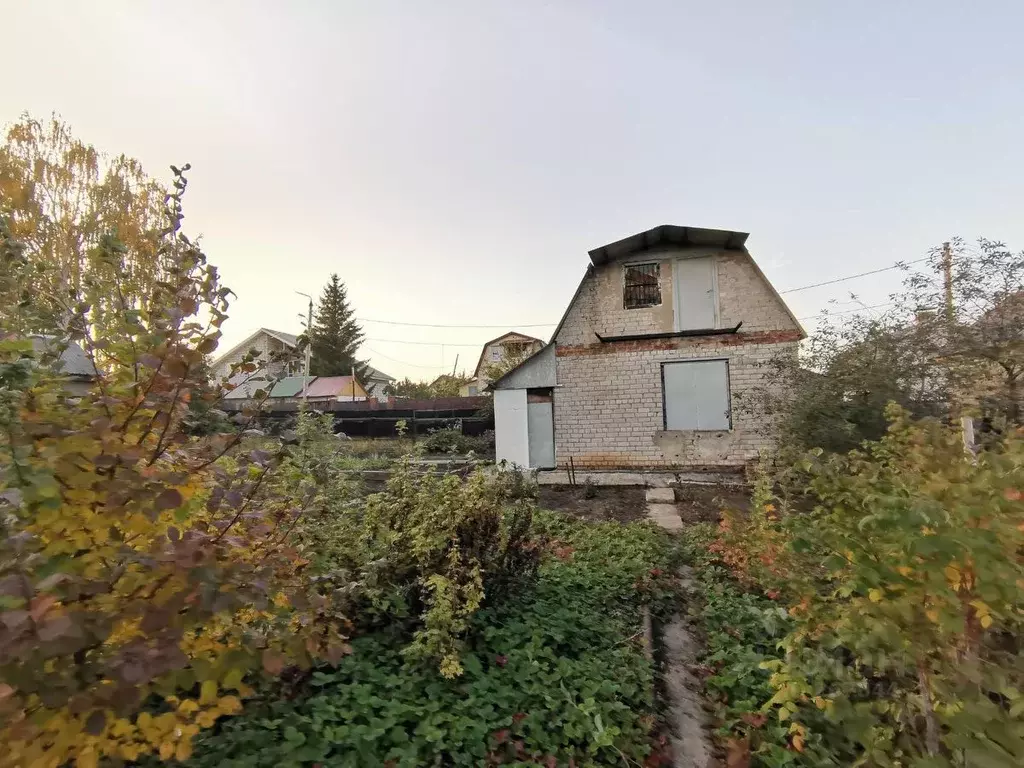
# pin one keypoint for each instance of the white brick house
(667, 332)
(495, 352)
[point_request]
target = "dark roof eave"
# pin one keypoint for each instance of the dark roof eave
(668, 235)
(672, 335)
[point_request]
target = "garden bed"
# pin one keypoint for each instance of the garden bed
(595, 503)
(557, 675)
(704, 503)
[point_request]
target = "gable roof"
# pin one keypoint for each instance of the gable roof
(290, 386)
(333, 386)
(372, 373)
(72, 361)
(288, 339)
(503, 379)
(517, 334)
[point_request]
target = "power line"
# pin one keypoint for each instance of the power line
(426, 343)
(847, 311)
(441, 325)
(897, 265)
(403, 362)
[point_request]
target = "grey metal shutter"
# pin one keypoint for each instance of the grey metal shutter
(696, 304)
(696, 395)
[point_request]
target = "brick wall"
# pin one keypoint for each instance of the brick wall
(608, 405)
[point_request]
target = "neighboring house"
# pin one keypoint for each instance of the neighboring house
(376, 383)
(327, 388)
(495, 352)
(668, 329)
(270, 344)
(73, 364)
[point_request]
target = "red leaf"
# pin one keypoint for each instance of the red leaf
(501, 661)
(501, 736)
(756, 720)
(273, 662)
(738, 753)
(40, 605)
(518, 717)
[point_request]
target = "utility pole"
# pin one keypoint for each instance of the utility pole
(309, 346)
(957, 416)
(456, 364)
(947, 278)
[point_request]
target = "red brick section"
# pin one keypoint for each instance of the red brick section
(647, 345)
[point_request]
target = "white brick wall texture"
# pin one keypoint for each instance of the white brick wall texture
(608, 407)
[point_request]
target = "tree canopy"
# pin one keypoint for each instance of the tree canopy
(913, 354)
(138, 564)
(62, 197)
(335, 336)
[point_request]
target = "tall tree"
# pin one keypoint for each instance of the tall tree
(335, 336)
(928, 360)
(62, 197)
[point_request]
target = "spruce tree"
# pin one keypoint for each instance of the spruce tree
(335, 336)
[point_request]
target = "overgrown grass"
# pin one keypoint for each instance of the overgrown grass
(741, 630)
(553, 675)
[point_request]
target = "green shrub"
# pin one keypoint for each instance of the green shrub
(905, 592)
(742, 631)
(453, 441)
(552, 675)
(438, 545)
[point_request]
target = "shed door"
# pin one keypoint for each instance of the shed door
(696, 303)
(541, 427)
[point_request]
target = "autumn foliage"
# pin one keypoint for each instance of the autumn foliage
(143, 572)
(900, 567)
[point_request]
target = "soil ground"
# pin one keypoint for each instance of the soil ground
(704, 503)
(622, 503)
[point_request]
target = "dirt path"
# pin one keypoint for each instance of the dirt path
(691, 741)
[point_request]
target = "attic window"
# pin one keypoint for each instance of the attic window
(642, 287)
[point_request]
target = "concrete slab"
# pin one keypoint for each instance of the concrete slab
(657, 510)
(665, 515)
(662, 495)
(668, 523)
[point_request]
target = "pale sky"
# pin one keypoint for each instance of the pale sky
(453, 162)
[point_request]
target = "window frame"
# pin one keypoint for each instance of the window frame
(728, 392)
(657, 263)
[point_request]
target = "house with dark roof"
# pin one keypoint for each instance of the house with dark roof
(668, 330)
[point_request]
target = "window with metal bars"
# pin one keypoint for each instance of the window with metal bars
(642, 286)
